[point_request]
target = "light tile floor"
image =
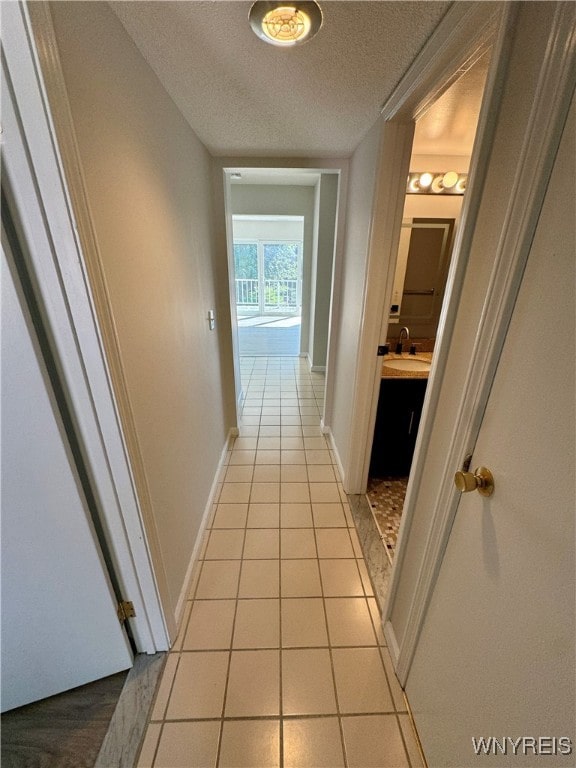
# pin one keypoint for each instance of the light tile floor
(280, 660)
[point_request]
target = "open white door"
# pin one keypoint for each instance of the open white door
(59, 623)
(33, 182)
(496, 658)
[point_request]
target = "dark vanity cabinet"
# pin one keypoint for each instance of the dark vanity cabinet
(397, 420)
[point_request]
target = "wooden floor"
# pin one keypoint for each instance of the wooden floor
(64, 731)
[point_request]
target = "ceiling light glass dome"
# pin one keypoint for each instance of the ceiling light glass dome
(285, 24)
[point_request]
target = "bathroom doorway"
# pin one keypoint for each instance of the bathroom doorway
(441, 152)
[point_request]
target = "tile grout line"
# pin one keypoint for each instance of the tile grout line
(223, 710)
(181, 651)
(331, 657)
(171, 688)
(401, 730)
(280, 656)
(275, 648)
(280, 703)
(178, 653)
(268, 718)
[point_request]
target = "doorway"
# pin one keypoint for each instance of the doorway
(281, 236)
(268, 272)
(439, 163)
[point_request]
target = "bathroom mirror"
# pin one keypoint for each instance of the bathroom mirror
(421, 271)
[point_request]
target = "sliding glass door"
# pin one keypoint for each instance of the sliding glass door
(268, 277)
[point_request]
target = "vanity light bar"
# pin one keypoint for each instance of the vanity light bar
(436, 183)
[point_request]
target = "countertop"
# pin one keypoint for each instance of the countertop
(392, 373)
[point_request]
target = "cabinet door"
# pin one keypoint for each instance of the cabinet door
(397, 421)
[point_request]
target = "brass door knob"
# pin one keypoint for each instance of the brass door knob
(481, 480)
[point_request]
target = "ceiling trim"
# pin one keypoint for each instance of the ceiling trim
(463, 36)
(274, 174)
(265, 217)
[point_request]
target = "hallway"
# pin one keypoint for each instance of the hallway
(280, 660)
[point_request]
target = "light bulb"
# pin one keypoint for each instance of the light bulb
(449, 179)
(461, 185)
(425, 180)
(437, 185)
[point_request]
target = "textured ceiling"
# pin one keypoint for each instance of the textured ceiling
(244, 97)
(449, 126)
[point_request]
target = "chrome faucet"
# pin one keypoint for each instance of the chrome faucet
(403, 330)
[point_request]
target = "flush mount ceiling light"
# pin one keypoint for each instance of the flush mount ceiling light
(285, 24)
(443, 183)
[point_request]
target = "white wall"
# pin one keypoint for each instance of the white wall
(433, 207)
(148, 181)
(322, 268)
(290, 229)
(440, 162)
(350, 277)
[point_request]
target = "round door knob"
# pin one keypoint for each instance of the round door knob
(465, 481)
(481, 480)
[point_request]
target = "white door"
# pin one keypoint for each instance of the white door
(59, 623)
(496, 657)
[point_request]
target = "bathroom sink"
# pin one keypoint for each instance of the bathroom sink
(408, 364)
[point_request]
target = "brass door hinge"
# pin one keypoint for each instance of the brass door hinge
(125, 611)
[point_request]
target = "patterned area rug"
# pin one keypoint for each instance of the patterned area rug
(386, 497)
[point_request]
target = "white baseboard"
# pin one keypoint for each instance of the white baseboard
(313, 368)
(391, 641)
(181, 604)
(328, 432)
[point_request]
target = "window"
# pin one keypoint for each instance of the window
(268, 277)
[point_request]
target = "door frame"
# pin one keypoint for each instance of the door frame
(541, 138)
(533, 168)
(34, 181)
(224, 169)
(497, 647)
(468, 30)
(466, 33)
